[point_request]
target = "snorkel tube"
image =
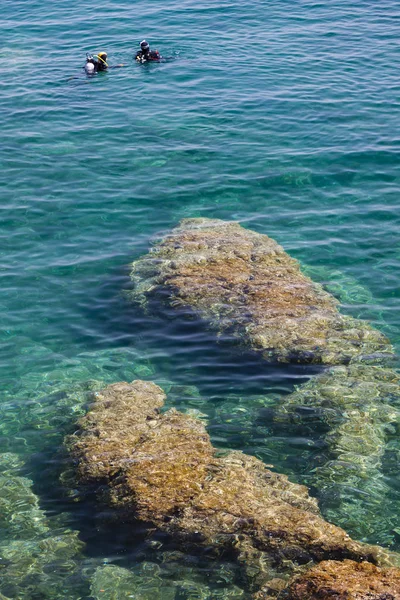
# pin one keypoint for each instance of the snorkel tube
(100, 56)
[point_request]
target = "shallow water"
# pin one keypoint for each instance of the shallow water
(280, 115)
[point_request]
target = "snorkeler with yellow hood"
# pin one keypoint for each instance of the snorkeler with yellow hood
(97, 63)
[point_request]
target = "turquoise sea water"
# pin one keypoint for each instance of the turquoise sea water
(281, 115)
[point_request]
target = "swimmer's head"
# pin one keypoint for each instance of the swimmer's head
(145, 46)
(102, 56)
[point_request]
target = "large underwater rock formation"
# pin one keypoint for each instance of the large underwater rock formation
(244, 283)
(333, 580)
(161, 469)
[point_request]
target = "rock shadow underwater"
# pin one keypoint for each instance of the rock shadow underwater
(160, 468)
(243, 283)
(205, 522)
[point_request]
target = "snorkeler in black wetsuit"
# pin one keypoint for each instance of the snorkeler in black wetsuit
(146, 55)
(97, 63)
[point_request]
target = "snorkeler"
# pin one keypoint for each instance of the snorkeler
(97, 63)
(146, 55)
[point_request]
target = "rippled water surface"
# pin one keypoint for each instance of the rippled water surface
(281, 115)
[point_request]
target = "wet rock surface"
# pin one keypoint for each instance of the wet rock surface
(244, 283)
(162, 469)
(347, 580)
(155, 464)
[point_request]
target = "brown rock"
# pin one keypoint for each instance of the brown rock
(162, 469)
(154, 464)
(347, 580)
(244, 282)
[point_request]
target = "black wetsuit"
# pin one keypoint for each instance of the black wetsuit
(100, 66)
(151, 55)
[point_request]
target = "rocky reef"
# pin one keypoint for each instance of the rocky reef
(39, 558)
(161, 469)
(20, 514)
(152, 581)
(360, 405)
(41, 553)
(333, 580)
(244, 284)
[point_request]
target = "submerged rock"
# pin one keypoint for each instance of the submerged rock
(20, 514)
(149, 582)
(359, 404)
(347, 580)
(37, 560)
(244, 283)
(341, 285)
(161, 469)
(111, 582)
(44, 567)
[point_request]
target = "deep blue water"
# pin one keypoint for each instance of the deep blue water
(281, 115)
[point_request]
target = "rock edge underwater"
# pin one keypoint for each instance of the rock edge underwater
(244, 283)
(161, 469)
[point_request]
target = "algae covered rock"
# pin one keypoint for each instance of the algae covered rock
(111, 582)
(149, 581)
(45, 567)
(161, 469)
(360, 405)
(347, 580)
(20, 514)
(156, 465)
(244, 283)
(37, 559)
